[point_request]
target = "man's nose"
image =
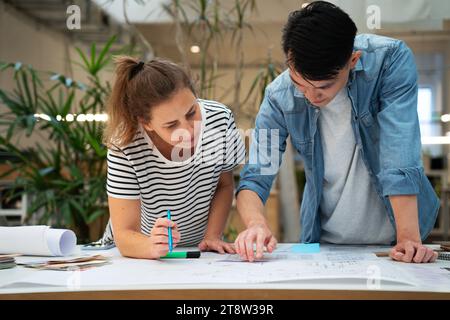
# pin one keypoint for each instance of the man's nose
(315, 95)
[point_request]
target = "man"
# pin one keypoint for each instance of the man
(349, 105)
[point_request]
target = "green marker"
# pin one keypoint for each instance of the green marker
(182, 255)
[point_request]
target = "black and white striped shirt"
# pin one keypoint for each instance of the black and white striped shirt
(139, 171)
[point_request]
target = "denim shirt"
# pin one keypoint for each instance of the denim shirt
(383, 92)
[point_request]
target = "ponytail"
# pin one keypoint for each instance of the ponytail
(139, 86)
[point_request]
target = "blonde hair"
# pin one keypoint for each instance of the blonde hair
(137, 88)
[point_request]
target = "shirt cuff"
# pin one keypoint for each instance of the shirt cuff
(403, 181)
(263, 193)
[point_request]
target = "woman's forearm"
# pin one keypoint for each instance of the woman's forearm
(133, 244)
(219, 210)
(125, 219)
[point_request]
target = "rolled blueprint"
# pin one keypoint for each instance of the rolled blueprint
(37, 241)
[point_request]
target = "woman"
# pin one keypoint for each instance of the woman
(167, 150)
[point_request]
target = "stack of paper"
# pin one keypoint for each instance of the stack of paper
(7, 261)
(80, 264)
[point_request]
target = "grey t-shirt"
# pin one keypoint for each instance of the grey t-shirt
(351, 210)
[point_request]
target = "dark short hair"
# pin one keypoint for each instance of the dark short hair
(318, 40)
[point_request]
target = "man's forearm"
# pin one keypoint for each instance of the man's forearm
(406, 217)
(250, 208)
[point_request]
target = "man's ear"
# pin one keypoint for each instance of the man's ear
(354, 58)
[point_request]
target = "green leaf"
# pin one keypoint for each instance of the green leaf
(95, 215)
(30, 124)
(66, 213)
(76, 172)
(76, 205)
(11, 130)
(28, 99)
(84, 58)
(99, 150)
(68, 104)
(93, 54)
(102, 57)
(37, 203)
(4, 65)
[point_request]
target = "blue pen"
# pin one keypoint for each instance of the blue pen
(169, 232)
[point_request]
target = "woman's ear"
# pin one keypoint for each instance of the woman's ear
(146, 125)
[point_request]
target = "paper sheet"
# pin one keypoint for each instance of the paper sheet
(359, 264)
(37, 241)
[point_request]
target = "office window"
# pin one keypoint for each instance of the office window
(429, 119)
(429, 100)
(425, 110)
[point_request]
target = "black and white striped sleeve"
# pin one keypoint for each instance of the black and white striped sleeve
(121, 179)
(234, 146)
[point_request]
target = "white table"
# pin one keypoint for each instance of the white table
(143, 279)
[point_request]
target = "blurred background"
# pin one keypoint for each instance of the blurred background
(56, 74)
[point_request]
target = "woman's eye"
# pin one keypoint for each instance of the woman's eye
(190, 115)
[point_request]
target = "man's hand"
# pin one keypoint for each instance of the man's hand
(409, 247)
(257, 233)
(412, 251)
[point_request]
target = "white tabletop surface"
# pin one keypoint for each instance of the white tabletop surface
(334, 268)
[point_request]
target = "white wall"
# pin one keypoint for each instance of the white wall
(25, 40)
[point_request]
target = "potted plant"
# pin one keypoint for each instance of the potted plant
(63, 171)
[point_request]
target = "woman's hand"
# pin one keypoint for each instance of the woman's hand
(159, 239)
(216, 245)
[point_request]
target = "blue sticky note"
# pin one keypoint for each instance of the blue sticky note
(306, 248)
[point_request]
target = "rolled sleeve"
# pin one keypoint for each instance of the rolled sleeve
(266, 150)
(404, 181)
(261, 186)
(400, 147)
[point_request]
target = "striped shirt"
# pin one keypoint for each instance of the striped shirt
(140, 171)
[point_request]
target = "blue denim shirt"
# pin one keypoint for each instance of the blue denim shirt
(383, 92)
